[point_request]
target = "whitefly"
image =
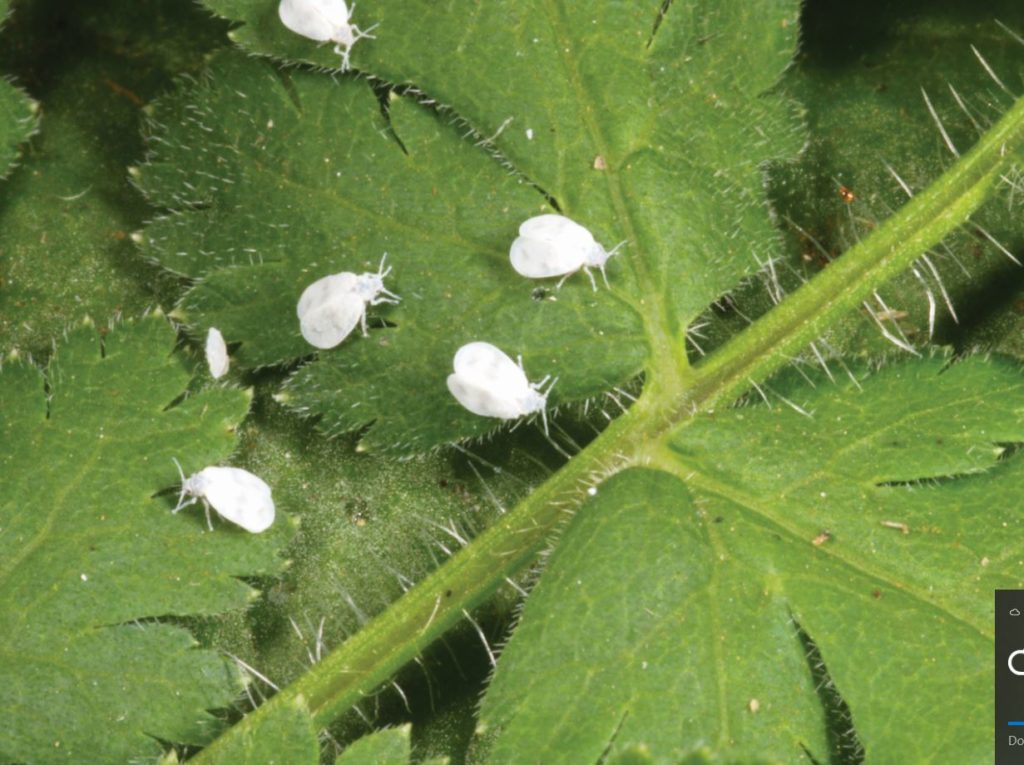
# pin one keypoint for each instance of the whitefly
(331, 307)
(216, 353)
(236, 494)
(324, 21)
(490, 384)
(554, 245)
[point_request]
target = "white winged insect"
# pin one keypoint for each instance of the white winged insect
(330, 308)
(488, 383)
(324, 21)
(236, 494)
(553, 245)
(216, 354)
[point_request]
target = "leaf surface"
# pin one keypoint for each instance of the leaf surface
(67, 215)
(868, 75)
(385, 747)
(275, 179)
(638, 635)
(877, 522)
(90, 557)
(18, 113)
(286, 737)
(371, 525)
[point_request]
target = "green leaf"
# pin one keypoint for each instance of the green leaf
(300, 178)
(19, 114)
(918, 501)
(371, 525)
(90, 557)
(385, 747)
(876, 515)
(366, 378)
(287, 737)
(639, 633)
(67, 216)
(638, 438)
(864, 74)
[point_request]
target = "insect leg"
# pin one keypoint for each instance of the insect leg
(389, 297)
(181, 496)
(360, 34)
(209, 523)
(615, 249)
(345, 65)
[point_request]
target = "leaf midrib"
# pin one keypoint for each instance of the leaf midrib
(71, 482)
(839, 454)
(672, 463)
(667, 354)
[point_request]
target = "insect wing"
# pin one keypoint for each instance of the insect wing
(239, 496)
(562, 231)
(316, 19)
(550, 245)
(539, 259)
(216, 353)
(484, 363)
(481, 400)
(324, 290)
(327, 324)
(487, 382)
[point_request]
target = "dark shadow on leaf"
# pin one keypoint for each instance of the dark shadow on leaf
(844, 746)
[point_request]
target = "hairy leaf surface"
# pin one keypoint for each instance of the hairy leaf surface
(66, 216)
(90, 556)
(386, 747)
(274, 179)
(287, 737)
(876, 519)
(868, 74)
(18, 113)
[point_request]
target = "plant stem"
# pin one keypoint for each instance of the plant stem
(440, 601)
(768, 343)
(469, 577)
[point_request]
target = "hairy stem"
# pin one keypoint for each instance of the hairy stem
(768, 343)
(670, 397)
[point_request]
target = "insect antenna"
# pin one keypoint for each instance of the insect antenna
(389, 296)
(614, 250)
(544, 396)
(365, 33)
(184, 490)
(381, 271)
